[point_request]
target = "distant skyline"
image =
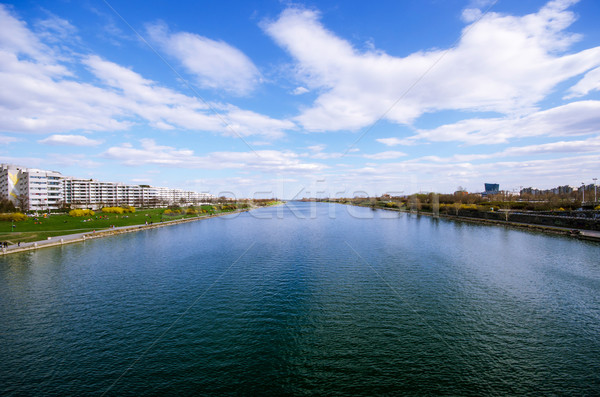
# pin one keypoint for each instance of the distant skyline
(304, 99)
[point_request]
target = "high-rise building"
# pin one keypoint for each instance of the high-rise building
(492, 188)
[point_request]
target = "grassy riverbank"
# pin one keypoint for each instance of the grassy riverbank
(37, 228)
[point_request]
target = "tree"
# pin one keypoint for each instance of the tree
(7, 206)
(23, 202)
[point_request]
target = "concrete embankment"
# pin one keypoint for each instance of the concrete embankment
(75, 238)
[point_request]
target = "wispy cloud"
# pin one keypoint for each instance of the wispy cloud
(54, 29)
(70, 140)
(396, 141)
(572, 119)
(590, 82)
(269, 161)
(300, 90)
(5, 140)
(73, 160)
(387, 155)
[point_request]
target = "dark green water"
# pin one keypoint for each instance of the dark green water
(313, 299)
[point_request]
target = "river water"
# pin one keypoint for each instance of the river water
(304, 299)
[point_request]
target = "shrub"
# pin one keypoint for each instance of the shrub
(118, 210)
(426, 207)
(191, 211)
(13, 217)
(113, 210)
(78, 213)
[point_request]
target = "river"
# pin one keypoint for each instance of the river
(304, 299)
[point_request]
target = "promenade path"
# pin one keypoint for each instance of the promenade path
(77, 237)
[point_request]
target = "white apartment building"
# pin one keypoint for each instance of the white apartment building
(31, 188)
(9, 176)
(90, 193)
(47, 190)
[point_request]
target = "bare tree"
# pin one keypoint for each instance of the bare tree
(23, 202)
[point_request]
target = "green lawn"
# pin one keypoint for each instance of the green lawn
(40, 228)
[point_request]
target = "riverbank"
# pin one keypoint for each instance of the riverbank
(79, 237)
(582, 234)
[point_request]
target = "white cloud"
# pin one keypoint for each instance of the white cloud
(414, 175)
(504, 63)
(215, 64)
(165, 108)
(33, 101)
(71, 140)
(40, 95)
(318, 153)
(245, 122)
(300, 90)
(268, 161)
(317, 148)
(326, 156)
(582, 146)
(387, 155)
(395, 141)
(589, 82)
(576, 118)
(5, 140)
(23, 161)
(471, 14)
(590, 145)
(15, 37)
(72, 160)
(55, 29)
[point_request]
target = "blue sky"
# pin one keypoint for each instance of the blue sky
(273, 98)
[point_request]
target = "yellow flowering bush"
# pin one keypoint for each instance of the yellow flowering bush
(118, 210)
(78, 213)
(13, 217)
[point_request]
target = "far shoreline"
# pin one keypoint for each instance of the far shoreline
(588, 235)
